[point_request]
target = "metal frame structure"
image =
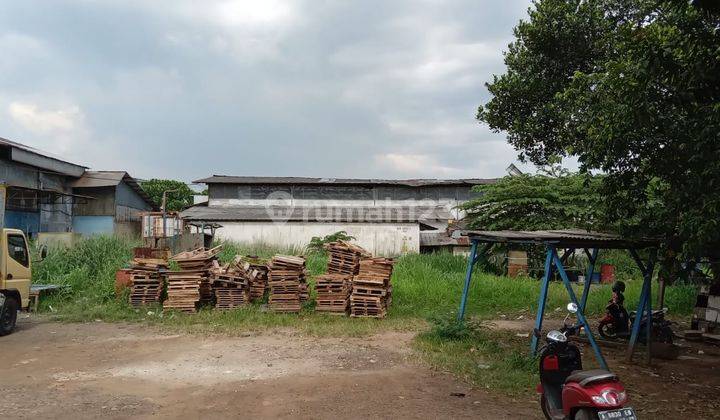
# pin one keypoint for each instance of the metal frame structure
(568, 242)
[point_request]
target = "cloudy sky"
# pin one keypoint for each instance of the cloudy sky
(185, 89)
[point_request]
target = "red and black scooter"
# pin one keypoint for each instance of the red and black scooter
(568, 392)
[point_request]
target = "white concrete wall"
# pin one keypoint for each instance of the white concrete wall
(382, 239)
(448, 204)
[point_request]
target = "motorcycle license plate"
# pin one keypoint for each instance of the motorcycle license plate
(626, 413)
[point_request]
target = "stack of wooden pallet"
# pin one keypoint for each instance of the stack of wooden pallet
(286, 279)
(333, 289)
(256, 271)
(371, 289)
(344, 257)
(146, 281)
(183, 289)
(191, 287)
(146, 287)
(197, 259)
(231, 289)
(333, 293)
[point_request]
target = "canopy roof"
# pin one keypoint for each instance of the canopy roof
(560, 238)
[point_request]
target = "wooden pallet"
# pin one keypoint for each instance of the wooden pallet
(286, 281)
(344, 257)
(231, 297)
(371, 289)
(184, 290)
(333, 292)
(146, 287)
(364, 290)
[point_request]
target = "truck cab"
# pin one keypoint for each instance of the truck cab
(15, 277)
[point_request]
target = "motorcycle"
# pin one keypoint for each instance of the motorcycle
(569, 393)
(616, 325)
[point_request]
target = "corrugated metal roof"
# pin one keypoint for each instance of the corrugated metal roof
(562, 238)
(35, 157)
(225, 179)
(438, 238)
(379, 214)
(91, 179)
(96, 179)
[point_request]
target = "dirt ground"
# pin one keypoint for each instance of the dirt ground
(60, 371)
(687, 387)
(77, 371)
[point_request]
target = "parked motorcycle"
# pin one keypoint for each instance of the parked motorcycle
(569, 393)
(617, 326)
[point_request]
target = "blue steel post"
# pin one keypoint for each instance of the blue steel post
(542, 299)
(636, 324)
(588, 279)
(468, 276)
(580, 313)
(642, 304)
(648, 307)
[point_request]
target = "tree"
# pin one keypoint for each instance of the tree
(632, 88)
(536, 202)
(177, 200)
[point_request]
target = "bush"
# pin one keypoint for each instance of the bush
(449, 328)
(317, 244)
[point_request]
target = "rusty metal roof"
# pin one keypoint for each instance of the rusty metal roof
(96, 179)
(225, 179)
(436, 238)
(340, 214)
(562, 238)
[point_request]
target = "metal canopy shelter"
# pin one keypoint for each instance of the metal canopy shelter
(568, 241)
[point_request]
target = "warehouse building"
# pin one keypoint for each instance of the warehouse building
(385, 216)
(116, 207)
(38, 196)
(47, 194)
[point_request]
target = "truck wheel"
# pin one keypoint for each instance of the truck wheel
(8, 316)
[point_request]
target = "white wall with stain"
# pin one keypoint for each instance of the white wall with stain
(382, 239)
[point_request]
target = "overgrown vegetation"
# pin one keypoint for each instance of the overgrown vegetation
(424, 287)
(483, 357)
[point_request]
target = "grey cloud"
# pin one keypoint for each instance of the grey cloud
(170, 89)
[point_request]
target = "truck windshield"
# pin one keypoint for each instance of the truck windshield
(17, 249)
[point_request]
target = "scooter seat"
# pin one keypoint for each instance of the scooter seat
(586, 377)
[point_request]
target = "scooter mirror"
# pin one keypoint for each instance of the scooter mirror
(572, 307)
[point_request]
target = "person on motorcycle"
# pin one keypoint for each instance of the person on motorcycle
(616, 305)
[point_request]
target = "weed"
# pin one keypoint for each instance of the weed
(487, 359)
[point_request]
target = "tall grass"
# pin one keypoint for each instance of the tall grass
(88, 269)
(424, 286)
(431, 285)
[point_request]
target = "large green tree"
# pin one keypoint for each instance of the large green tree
(536, 202)
(632, 89)
(181, 195)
